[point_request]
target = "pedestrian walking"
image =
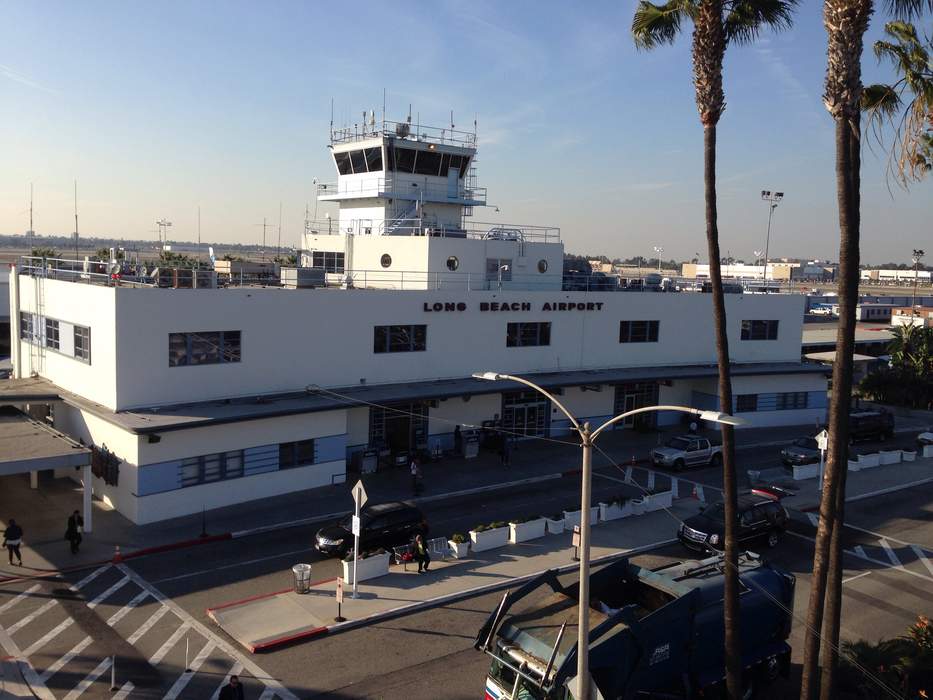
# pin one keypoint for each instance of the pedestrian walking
(233, 690)
(458, 441)
(12, 539)
(421, 554)
(75, 531)
(416, 477)
(505, 452)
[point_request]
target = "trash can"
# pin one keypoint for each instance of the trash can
(370, 461)
(302, 573)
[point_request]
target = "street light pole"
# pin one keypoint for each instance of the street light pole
(587, 440)
(772, 198)
(658, 249)
(916, 257)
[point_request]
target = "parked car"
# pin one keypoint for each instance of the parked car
(687, 451)
(382, 525)
(803, 450)
(761, 517)
(865, 425)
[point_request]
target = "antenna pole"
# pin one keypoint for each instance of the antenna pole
(263, 239)
(76, 220)
(199, 236)
(31, 231)
(278, 246)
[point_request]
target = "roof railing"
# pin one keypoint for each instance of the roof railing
(404, 130)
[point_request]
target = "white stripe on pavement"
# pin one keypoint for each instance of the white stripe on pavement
(267, 694)
(305, 550)
(861, 554)
(125, 610)
(814, 519)
(147, 625)
(25, 594)
(183, 679)
(852, 578)
(860, 551)
(124, 691)
(36, 684)
(169, 643)
(44, 639)
(53, 669)
(30, 617)
(922, 557)
(89, 679)
(890, 552)
(90, 577)
(235, 671)
(109, 592)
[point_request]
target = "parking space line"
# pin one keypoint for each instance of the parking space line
(147, 625)
(169, 643)
(235, 671)
(36, 684)
(25, 594)
(125, 610)
(88, 680)
(890, 552)
(90, 577)
(125, 690)
(860, 551)
(53, 669)
(22, 622)
(233, 566)
(814, 519)
(852, 578)
(183, 679)
(44, 639)
(267, 694)
(918, 550)
(254, 669)
(877, 534)
(109, 592)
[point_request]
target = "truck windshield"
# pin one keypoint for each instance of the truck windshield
(678, 443)
(504, 677)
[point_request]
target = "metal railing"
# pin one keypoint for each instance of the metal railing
(85, 271)
(388, 187)
(403, 130)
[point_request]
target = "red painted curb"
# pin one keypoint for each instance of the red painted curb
(260, 596)
(262, 646)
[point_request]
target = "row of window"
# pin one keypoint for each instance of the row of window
(402, 160)
(329, 261)
(638, 331)
(203, 348)
(222, 466)
(787, 401)
(53, 334)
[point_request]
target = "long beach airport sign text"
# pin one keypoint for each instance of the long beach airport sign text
(449, 306)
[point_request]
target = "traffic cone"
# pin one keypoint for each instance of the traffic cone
(117, 557)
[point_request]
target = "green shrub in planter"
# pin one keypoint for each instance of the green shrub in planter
(523, 519)
(458, 538)
(619, 500)
(480, 528)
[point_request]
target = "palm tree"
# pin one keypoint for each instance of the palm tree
(846, 22)
(911, 156)
(716, 24)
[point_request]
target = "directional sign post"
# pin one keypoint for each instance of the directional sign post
(822, 441)
(359, 499)
(339, 618)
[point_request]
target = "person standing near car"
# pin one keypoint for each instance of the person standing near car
(420, 554)
(12, 539)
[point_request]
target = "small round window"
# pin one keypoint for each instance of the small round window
(542, 266)
(385, 260)
(453, 263)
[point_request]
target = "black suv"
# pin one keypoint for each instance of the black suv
(761, 516)
(865, 425)
(383, 525)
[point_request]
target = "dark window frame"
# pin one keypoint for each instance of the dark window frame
(342, 163)
(202, 463)
(400, 338)
(53, 337)
(746, 403)
(300, 453)
(82, 350)
(27, 326)
(639, 331)
(757, 329)
(330, 261)
(527, 334)
(196, 348)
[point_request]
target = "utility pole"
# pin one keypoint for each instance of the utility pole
(772, 198)
(916, 257)
(278, 245)
(76, 220)
(264, 227)
(163, 225)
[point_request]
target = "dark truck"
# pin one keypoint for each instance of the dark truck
(654, 633)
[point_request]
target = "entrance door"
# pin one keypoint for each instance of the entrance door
(525, 414)
(636, 395)
(630, 403)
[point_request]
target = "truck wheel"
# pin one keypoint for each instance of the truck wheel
(679, 465)
(774, 537)
(716, 460)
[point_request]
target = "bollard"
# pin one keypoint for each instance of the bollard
(117, 557)
(187, 667)
(113, 674)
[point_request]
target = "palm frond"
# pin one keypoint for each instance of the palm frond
(655, 25)
(745, 19)
(880, 101)
(908, 9)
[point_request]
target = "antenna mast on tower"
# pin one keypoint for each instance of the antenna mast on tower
(76, 220)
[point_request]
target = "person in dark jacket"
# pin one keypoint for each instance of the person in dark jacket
(233, 690)
(74, 532)
(12, 539)
(421, 555)
(458, 442)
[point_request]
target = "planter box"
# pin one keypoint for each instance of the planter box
(614, 511)
(908, 455)
(459, 550)
(889, 456)
(854, 466)
(370, 567)
(554, 527)
(638, 506)
(927, 451)
(529, 530)
(806, 471)
(489, 539)
(869, 461)
(572, 517)
(658, 501)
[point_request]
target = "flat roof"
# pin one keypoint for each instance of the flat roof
(27, 445)
(825, 334)
(830, 356)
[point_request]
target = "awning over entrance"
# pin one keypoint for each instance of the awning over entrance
(27, 445)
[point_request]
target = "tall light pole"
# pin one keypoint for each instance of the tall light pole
(658, 249)
(772, 198)
(758, 260)
(587, 438)
(916, 257)
(163, 224)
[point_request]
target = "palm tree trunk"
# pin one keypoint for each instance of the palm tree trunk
(733, 647)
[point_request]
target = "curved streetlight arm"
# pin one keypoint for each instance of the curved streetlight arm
(713, 416)
(493, 376)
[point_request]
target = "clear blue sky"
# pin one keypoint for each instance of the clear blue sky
(157, 108)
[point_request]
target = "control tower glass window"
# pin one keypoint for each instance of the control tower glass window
(358, 162)
(428, 163)
(404, 160)
(464, 164)
(373, 158)
(343, 163)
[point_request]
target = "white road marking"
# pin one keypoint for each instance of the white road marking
(169, 643)
(183, 679)
(852, 578)
(125, 610)
(235, 671)
(254, 669)
(53, 669)
(31, 616)
(88, 680)
(814, 519)
(860, 552)
(109, 592)
(267, 694)
(90, 577)
(895, 562)
(877, 534)
(44, 639)
(125, 690)
(305, 550)
(36, 684)
(922, 557)
(147, 625)
(25, 594)
(611, 478)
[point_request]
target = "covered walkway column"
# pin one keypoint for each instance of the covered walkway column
(88, 491)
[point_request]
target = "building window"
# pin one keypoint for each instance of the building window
(203, 348)
(296, 454)
(27, 326)
(638, 331)
(497, 266)
(82, 342)
(746, 403)
(205, 469)
(400, 338)
(519, 335)
(792, 400)
(759, 330)
(453, 263)
(52, 339)
(542, 266)
(330, 261)
(385, 260)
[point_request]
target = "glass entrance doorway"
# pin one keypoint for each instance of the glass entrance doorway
(636, 395)
(399, 427)
(525, 414)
